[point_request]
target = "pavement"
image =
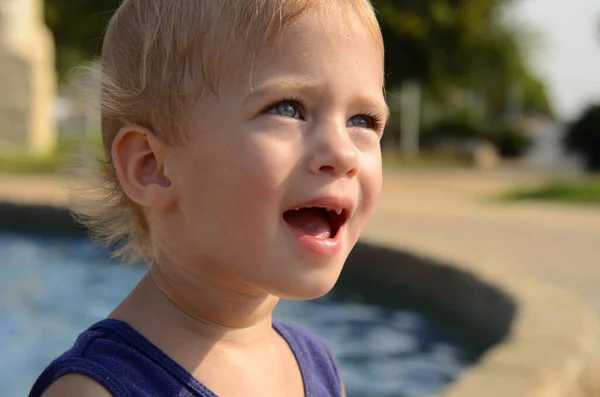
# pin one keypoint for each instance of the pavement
(452, 215)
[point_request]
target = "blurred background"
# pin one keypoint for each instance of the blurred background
(492, 153)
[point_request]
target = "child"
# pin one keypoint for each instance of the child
(243, 160)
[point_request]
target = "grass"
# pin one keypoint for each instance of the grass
(584, 191)
(18, 163)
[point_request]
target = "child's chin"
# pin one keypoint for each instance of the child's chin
(306, 290)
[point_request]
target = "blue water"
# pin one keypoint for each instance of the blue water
(52, 289)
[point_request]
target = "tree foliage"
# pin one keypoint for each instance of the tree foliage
(78, 27)
(449, 44)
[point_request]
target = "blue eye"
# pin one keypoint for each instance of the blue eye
(286, 109)
(361, 121)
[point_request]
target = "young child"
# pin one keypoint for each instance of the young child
(243, 160)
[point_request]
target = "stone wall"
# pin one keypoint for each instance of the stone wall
(27, 79)
(542, 340)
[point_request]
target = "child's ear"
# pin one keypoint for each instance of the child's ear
(139, 157)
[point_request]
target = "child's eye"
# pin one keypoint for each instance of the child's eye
(364, 121)
(286, 109)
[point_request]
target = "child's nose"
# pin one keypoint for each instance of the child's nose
(334, 152)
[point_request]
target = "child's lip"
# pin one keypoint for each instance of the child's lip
(320, 246)
(331, 246)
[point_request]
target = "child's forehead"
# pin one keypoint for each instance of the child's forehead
(303, 61)
(287, 55)
(315, 31)
(323, 23)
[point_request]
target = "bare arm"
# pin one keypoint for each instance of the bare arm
(76, 385)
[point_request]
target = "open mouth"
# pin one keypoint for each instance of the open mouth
(318, 222)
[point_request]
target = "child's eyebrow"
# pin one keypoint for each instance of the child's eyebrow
(286, 85)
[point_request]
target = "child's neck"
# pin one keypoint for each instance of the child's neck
(181, 304)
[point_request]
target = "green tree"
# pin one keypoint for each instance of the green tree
(78, 27)
(450, 44)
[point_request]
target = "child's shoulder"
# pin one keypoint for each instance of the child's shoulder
(89, 357)
(76, 385)
(117, 357)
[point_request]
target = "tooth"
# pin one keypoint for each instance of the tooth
(339, 212)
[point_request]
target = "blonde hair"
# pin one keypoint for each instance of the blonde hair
(158, 56)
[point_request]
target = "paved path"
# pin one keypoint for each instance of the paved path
(448, 214)
(33, 189)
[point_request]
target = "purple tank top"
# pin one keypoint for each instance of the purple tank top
(129, 365)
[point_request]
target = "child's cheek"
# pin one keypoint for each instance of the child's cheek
(266, 170)
(371, 183)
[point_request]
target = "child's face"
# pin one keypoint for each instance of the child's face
(297, 130)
